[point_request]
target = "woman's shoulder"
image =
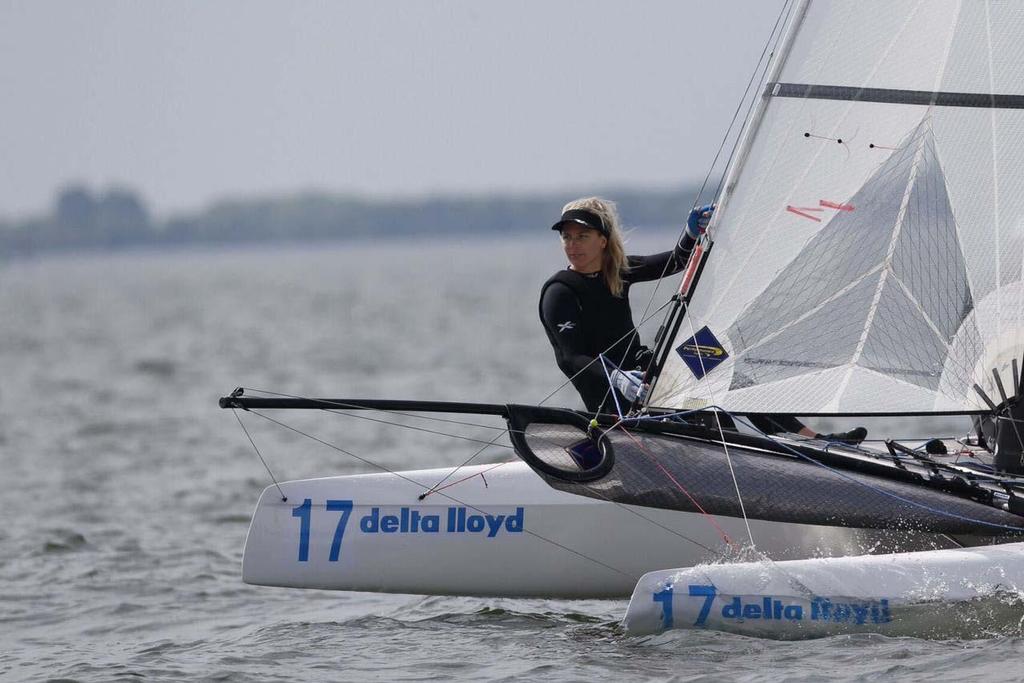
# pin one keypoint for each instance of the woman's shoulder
(565, 276)
(564, 279)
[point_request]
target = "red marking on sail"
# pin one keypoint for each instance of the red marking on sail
(800, 211)
(691, 270)
(833, 205)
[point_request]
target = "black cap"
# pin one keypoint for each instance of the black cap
(587, 219)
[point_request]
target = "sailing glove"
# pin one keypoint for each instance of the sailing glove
(698, 220)
(630, 384)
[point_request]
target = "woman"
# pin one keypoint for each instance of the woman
(585, 309)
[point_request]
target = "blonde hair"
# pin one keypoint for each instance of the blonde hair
(613, 263)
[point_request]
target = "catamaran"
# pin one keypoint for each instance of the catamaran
(866, 259)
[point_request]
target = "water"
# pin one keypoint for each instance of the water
(126, 492)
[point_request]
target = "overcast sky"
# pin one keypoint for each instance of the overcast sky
(193, 101)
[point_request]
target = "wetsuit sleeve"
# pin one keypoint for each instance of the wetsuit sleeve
(646, 268)
(560, 311)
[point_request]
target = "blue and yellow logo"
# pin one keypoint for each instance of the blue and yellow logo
(702, 352)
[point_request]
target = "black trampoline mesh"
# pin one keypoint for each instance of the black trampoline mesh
(664, 471)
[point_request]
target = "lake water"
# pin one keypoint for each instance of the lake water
(126, 492)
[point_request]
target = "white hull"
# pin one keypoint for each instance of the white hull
(502, 533)
(960, 593)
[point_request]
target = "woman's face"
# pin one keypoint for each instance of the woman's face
(584, 247)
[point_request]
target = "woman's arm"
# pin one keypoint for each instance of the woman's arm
(646, 268)
(561, 313)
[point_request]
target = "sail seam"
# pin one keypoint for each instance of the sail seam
(873, 309)
(769, 337)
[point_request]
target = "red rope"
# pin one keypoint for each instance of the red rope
(711, 518)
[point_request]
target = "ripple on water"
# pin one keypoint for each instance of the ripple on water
(63, 541)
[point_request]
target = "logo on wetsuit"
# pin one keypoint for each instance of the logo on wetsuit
(566, 326)
(702, 352)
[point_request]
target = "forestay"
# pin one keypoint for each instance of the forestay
(869, 244)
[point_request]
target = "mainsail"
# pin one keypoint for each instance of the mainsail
(868, 248)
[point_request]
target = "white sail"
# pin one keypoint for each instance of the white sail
(868, 249)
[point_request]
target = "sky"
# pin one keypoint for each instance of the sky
(189, 102)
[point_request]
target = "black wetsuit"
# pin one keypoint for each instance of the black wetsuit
(583, 318)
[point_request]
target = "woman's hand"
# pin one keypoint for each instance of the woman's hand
(630, 384)
(697, 221)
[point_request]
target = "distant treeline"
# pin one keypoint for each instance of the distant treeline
(85, 219)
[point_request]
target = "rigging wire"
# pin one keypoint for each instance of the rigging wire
(645, 317)
(542, 401)
(603, 497)
(708, 515)
(445, 495)
(721, 433)
(459, 481)
(728, 130)
(876, 489)
(492, 442)
(787, 8)
(781, 444)
(241, 424)
(775, 32)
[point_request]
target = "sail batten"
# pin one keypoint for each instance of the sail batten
(869, 248)
(982, 100)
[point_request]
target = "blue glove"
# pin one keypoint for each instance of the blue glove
(698, 220)
(630, 384)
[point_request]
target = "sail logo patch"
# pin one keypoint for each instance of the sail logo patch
(702, 352)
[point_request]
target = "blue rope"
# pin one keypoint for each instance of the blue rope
(611, 386)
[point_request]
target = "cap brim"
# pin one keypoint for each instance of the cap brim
(575, 221)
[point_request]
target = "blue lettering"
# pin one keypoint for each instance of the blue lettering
(494, 525)
(751, 611)
(733, 610)
(793, 612)
(708, 592)
(820, 608)
(370, 523)
(664, 596)
(475, 523)
(841, 613)
(303, 513)
(514, 523)
(457, 520)
(345, 508)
